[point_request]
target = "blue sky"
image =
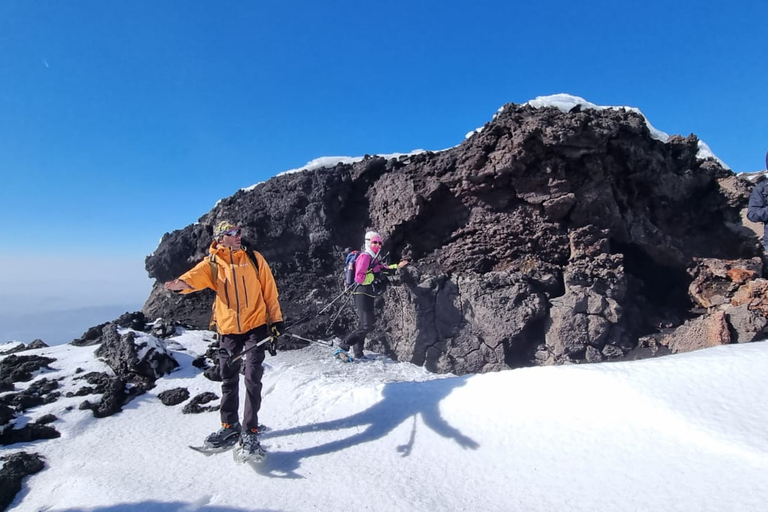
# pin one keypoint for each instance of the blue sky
(124, 120)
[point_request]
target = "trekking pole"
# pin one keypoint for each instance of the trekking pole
(268, 338)
(241, 354)
(333, 320)
(334, 300)
(319, 342)
(346, 291)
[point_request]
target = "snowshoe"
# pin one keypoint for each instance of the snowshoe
(343, 355)
(248, 449)
(221, 440)
(207, 450)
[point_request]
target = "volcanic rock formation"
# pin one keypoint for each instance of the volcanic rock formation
(546, 237)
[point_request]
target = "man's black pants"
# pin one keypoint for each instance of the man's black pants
(231, 345)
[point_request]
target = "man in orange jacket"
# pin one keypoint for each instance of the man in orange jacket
(246, 311)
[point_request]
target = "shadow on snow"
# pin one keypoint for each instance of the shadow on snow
(158, 506)
(400, 401)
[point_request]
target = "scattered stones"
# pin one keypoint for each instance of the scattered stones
(174, 396)
(195, 405)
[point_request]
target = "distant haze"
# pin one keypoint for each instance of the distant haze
(58, 327)
(58, 299)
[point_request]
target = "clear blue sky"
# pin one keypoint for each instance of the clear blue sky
(123, 120)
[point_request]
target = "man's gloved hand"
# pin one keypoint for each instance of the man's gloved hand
(277, 329)
(272, 346)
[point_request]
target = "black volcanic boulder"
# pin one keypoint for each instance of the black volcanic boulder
(196, 405)
(139, 361)
(174, 396)
(15, 467)
(20, 368)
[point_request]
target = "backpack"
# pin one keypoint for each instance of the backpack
(349, 269)
(215, 275)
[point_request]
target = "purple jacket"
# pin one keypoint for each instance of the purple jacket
(362, 263)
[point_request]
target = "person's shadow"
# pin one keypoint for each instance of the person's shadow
(400, 401)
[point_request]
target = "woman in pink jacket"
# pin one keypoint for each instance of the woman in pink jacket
(368, 272)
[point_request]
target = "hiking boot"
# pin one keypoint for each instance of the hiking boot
(227, 435)
(342, 355)
(343, 346)
(358, 352)
(249, 444)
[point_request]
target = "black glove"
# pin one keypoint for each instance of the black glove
(277, 329)
(272, 346)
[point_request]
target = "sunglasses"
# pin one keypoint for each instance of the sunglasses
(375, 243)
(233, 232)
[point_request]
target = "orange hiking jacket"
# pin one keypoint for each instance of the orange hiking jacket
(244, 300)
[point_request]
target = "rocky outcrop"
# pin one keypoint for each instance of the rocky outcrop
(21, 347)
(28, 433)
(20, 369)
(548, 237)
(138, 360)
(731, 300)
(114, 394)
(15, 467)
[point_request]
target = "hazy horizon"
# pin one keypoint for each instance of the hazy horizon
(57, 327)
(58, 299)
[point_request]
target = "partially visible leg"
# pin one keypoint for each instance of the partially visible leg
(356, 338)
(230, 345)
(254, 371)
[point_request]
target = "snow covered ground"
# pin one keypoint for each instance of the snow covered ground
(687, 432)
